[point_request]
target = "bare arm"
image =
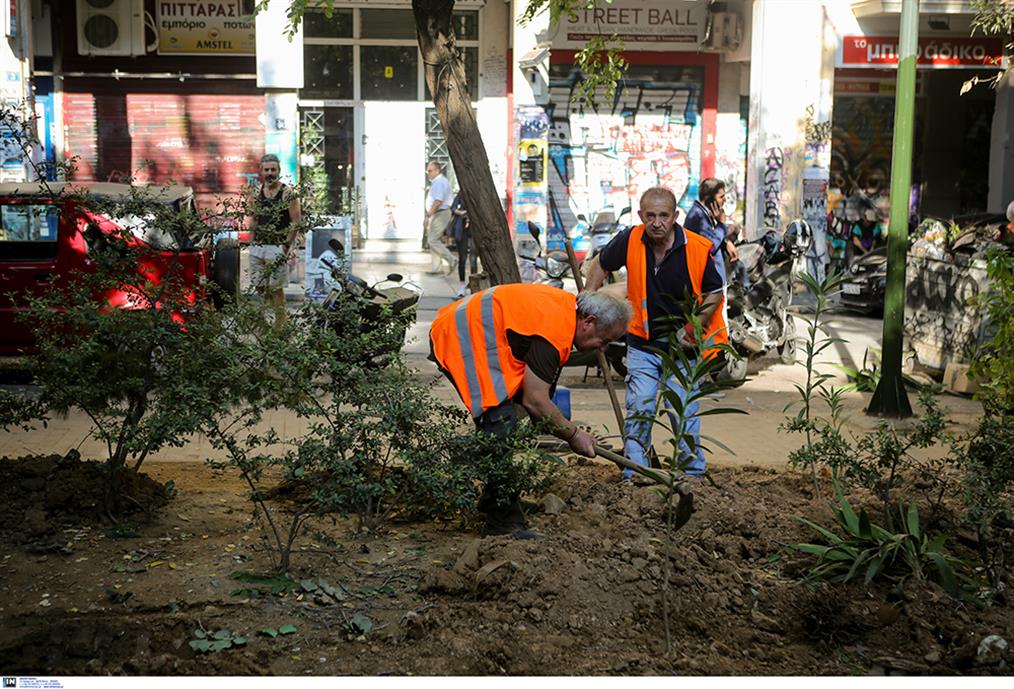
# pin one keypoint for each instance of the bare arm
(596, 276)
(296, 217)
(708, 307)
(539, 405)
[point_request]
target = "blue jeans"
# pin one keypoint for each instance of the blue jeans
(644, 374)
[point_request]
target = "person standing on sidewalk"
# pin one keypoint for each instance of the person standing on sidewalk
(275, 216)
(461, 233)
(707, 218)
(665, 264)
(438, 216)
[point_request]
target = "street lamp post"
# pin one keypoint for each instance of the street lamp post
(890, 397)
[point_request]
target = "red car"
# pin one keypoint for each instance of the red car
(43, 230)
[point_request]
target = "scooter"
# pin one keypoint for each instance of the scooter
(758, 317)
(388, 307)
(602, 232)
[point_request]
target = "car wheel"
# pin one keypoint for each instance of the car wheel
(787, 349)
(225, 273)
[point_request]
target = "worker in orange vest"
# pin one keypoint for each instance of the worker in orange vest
(506, 345)
(665, 264)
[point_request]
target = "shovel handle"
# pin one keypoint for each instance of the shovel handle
(653, 474)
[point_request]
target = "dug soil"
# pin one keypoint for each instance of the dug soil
(81, 596)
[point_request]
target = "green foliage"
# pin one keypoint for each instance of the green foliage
(992, 18)
(861, 548)
(372, 442)
(821, 435)
(223, 639)
(993, 365)
(602, 67)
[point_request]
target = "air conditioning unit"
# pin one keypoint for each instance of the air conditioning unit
(110, 27)
(723, 32)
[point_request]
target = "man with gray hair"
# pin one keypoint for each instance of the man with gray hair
(505, 346)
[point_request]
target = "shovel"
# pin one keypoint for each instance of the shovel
(685, 505)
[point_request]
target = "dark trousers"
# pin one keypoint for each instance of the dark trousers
(466, 246)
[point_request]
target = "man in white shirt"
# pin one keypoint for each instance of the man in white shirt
(438, 216)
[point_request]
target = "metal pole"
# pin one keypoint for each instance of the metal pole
(890, 397)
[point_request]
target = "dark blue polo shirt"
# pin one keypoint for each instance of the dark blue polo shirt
(668, 285)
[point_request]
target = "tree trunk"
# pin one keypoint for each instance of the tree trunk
(445, 76)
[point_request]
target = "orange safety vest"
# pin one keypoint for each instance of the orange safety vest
(470, 338)
(698, 249)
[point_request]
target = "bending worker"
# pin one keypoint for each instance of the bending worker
(506, 345)
(665, 264)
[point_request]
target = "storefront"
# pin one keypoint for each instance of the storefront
(952, 129)
(367, 121)
(659, 129)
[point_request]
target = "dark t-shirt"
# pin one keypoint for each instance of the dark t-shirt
(667, 285)
(537, 353)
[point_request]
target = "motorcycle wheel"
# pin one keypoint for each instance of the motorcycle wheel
(787, 349)
(734, 371)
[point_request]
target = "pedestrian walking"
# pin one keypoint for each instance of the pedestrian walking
(438, 216)
(665, 263)
(461, 234)
(504, 347)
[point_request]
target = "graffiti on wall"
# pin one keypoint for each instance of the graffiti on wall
(939, 323)
(771, 185)
(606, 157)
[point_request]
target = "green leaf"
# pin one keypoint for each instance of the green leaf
(222, 634)
(361, 623)
(873, 569)
(719, 443)
(268, 631)
(200, 633)
(912, 519)
(946, 572)
(239, 641)
(865, 531)
(286, 629)
(849, 515)
(201, 645)
(221, 645)
(829, 535)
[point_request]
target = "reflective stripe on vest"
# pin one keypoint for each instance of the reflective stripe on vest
(464, 334)
(698, 251)
(470, 342)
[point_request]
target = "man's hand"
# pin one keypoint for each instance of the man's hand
(733, 252)
(685, 337)
(582, 443)
(717, 211)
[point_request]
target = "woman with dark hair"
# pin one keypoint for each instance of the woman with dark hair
(461, 233)
(707, 218)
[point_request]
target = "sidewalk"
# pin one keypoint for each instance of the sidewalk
(754, 438)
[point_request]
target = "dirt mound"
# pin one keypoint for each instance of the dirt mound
(433, 598)
(39, 495)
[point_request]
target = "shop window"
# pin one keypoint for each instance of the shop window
(327, 72)
(386, 23)
(466, 26)
(471, 59)
(390, 72)
(28, 231)
(316, 24)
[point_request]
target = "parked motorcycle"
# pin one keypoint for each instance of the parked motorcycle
(758, 317)
(602, 232)
(389, 307)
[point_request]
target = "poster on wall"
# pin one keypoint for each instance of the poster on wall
(530, 203)
(532, 162)
(601, 161)
(201, 27)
